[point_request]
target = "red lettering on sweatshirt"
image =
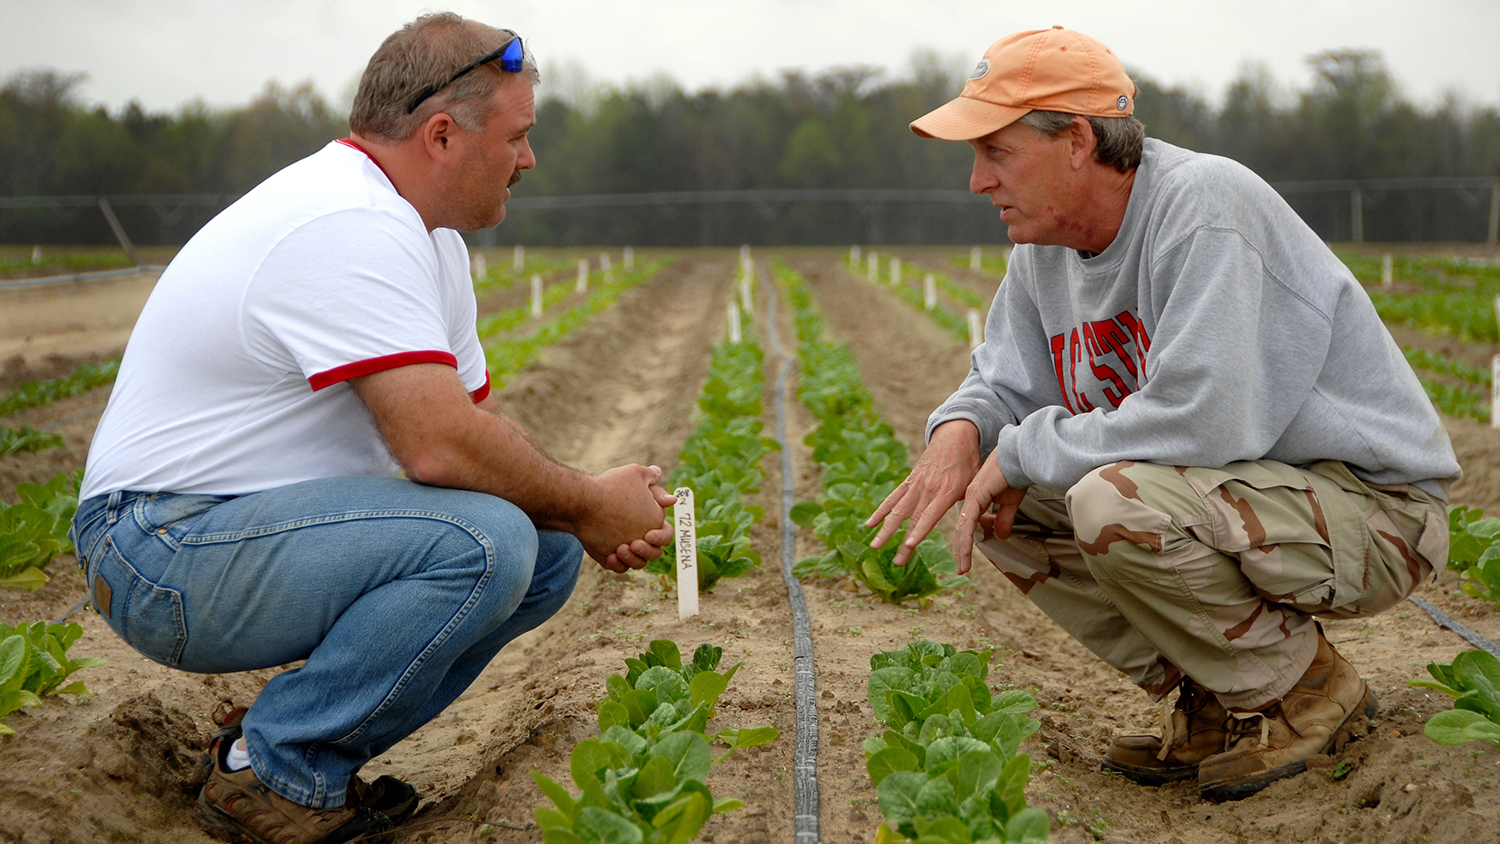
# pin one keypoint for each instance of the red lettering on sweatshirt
(1112, 346)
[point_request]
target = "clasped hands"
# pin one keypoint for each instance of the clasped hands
(949, 472)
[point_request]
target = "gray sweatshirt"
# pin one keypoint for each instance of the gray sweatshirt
(1217, 327)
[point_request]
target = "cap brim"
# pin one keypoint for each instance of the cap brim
(964, 119)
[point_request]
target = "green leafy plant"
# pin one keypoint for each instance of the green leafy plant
(37, 393)
(642, 779)
(862, 462)
(35, 531)
(508, 356)
(720, 462)
(1474, 552)
(947, 768)
(1473, 680)
(25, 439)
(957, 324)
(34, 664)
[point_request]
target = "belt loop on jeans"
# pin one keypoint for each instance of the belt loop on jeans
(112, 508)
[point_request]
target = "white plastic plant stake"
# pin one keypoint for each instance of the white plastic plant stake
(629, 259)
(36, 255)
(583, 276)
(604, 262)
(1495, 392)
(976, 258)
(1005, 256)
(1387, 274)
(734, 322)
(744, 253)
(518, 258)
(687, 554)
(895, 272)
(477, 267)
(976, 329)
(929, 292)
(536, 295)
(872, 266)
(745, 300)
(854, 256)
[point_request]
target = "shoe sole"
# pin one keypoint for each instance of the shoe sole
(1236, 790)
(222, 826)
(1149, 776)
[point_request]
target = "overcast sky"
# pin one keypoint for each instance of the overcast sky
(166, 53)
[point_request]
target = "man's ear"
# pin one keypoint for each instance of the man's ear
(1081, 142)
(438, 134)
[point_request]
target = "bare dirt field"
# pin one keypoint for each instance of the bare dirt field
(622, 388)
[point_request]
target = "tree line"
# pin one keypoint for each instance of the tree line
(843, 127)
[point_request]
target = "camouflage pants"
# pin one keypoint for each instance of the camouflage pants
(1217, 573)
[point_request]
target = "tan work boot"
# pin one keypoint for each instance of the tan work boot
(1320, 714)
(236, 806)
(1192, 730)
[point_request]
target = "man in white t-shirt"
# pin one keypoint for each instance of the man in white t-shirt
(243, 506)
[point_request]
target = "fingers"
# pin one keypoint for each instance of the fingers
(664, 496)
(919, 530)
(610, 563)
(895, 510)
(963, 539)
(659, 537)
(885, 506)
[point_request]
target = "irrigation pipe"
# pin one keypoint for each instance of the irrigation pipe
(1445, 620)
(71, 278)
(805, 760)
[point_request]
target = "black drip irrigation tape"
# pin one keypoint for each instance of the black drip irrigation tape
(805, 761)
(1445, 620)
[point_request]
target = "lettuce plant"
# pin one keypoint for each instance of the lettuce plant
(35, 531)
(34, 664)
(1473, 680)
(946, 768)
(862, 462)
(642, 779)
(1474, 552)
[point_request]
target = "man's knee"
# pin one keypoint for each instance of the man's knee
(1115, 503)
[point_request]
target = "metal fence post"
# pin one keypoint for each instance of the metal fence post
(1494, 237)
(119, 230)
(1357, 215)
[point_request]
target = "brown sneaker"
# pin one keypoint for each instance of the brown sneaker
(237, 807)
(1320, 714)
(1192, 730)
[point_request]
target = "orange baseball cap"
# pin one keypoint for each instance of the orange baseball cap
(1046, 69)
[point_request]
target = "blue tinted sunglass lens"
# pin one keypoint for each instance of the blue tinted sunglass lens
(511, 59)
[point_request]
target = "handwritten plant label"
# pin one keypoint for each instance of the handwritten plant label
(685, 526)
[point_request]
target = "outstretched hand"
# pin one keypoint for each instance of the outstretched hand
(938, 481)
(990, 504)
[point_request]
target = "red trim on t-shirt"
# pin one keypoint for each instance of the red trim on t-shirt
(371, 366)
(349, 142)
(482, 393)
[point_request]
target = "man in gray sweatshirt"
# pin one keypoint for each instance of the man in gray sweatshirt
(1187, 432)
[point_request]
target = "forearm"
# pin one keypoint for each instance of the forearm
(462, 446)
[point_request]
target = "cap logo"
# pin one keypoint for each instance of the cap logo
(980, 69)
(1122, 102)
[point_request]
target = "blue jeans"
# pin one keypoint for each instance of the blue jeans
(397, 595)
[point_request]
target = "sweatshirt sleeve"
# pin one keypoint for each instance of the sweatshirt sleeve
(1010, 374)
(1234, 356)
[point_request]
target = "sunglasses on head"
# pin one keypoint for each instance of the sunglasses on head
(511, 54)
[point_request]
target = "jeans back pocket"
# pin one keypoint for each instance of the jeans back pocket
(147, 616)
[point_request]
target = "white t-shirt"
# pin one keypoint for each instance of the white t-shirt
(236, 376)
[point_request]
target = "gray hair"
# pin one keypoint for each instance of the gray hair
(1119, 140)
(422, 55)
